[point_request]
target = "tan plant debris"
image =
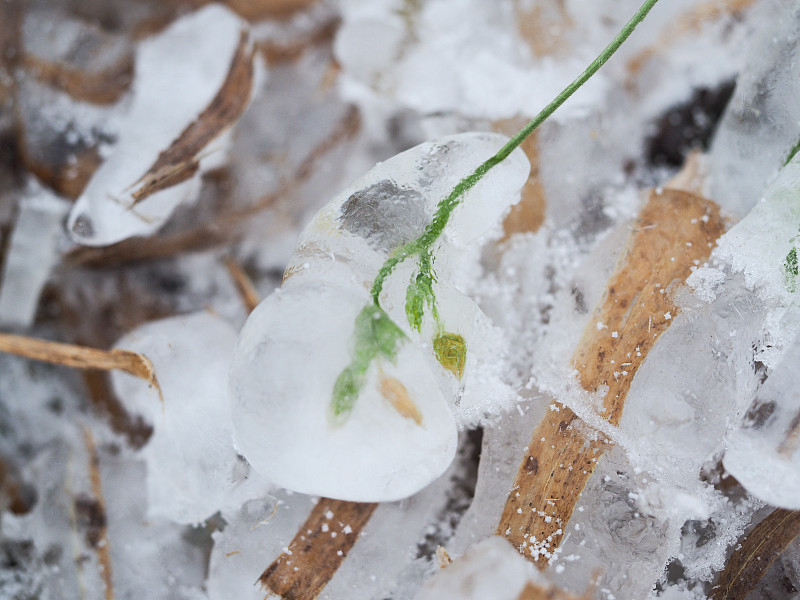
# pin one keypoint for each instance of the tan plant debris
(756, 554)
(244, 285)
(313, 558)
(100, 522)
(687, 24)
(397, 395)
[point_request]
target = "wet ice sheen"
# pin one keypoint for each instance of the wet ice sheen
(298, 341)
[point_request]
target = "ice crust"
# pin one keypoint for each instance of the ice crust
(168, 93)
(762, 122)
(33, 251)
(193, 469)
(297, 342)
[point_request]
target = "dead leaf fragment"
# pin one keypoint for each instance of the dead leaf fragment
(397, 395)
(181, 161)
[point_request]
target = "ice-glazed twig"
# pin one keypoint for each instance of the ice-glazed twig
(317, 550)
(100, 522)
(673, 230)
(756, 553)
(181, 160)
(80, 357)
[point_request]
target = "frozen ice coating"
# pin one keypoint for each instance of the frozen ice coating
(32, 253)
(762, 122)
(169, 92)
(193, 469)
(399, 436)
(490, 569)
(298, 343)
(347, 397)
(764, 453)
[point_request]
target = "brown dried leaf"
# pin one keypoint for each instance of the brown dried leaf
(80, 357)
(543, 25)
(181, 160)
(674, 229)
(528, 214)
(688, 23)
(755, 555)
(314, 555)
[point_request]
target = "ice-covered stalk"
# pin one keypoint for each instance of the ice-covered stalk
(674, 230)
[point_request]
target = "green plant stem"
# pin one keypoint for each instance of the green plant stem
(446, 206)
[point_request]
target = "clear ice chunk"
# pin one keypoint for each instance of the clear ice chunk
(193, 469)
(297, 342)
(764, 453)
(290, 353)
(32, 253)
(762, 122)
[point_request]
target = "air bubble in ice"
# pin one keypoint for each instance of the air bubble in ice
(386, 214)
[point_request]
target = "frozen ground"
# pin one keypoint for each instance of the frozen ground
(166, 165)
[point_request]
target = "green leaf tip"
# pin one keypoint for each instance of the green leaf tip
(376, 335)
(418, 294)
(790, 270)
(451, 352)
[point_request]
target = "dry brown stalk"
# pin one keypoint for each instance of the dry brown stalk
(688, 23)
(181, 160)
(100, 87)
(755, 555)
(672, 231)
(257, 10)
(244, 285)
(101, 534)
(317, 550)
(80, 357)
(528, 214)
(275, 51)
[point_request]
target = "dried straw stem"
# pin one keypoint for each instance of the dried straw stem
(674, 230)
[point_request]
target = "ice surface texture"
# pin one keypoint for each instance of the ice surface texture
(400, 433)
(193, 470)
(169, 93)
